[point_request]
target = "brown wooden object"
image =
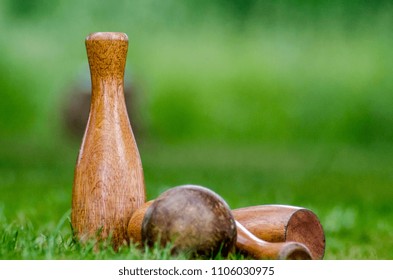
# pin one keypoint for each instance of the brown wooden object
(108, 180)
(191, 219)
(284, 223)
(134, 230)
(246, 242)
(260, 249)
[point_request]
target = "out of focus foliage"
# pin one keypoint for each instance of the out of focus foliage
(280, 71)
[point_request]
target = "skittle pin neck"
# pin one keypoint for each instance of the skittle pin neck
(107, 52)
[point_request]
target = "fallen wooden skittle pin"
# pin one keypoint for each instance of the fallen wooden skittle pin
(108, 181)
(245, 241)
(284, 223)
(260, 249)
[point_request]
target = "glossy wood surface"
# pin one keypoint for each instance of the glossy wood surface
(108, 181)
(260, 249)
(283, 223)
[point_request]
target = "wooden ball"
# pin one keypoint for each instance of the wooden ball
(193, 220)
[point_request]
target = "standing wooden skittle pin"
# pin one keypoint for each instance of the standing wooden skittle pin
(108, 181)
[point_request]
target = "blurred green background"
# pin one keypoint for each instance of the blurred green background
(284, 102)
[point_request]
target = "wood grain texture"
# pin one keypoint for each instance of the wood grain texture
(284, 223)
(260, 249)
(134, 230)
(108, 180)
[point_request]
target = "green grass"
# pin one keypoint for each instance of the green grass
(348, 188)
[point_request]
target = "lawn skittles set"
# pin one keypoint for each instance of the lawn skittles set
(109, 197)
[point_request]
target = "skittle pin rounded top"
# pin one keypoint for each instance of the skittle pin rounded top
(193, 219)
(107, 36)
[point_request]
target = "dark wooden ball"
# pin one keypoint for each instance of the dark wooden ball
(193, 220)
